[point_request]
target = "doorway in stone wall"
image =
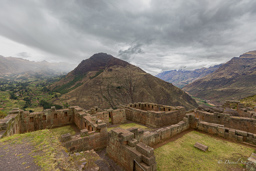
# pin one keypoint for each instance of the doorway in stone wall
(89, 128)
(110, 117)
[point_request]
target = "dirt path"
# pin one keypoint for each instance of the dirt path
(16, 157)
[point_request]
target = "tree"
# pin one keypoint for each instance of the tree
(13, 96)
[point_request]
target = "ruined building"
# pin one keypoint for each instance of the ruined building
(132, 148)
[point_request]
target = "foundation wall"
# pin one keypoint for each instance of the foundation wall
(227, 133)
(239, 123)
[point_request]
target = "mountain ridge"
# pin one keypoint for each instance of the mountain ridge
(180, 78)
(13, 65)
(106, 81)
(235, 79)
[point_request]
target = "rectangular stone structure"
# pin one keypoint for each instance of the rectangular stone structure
(201, 147)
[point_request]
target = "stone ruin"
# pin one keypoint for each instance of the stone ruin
(133, 148)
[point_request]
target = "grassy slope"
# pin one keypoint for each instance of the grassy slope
(181, 155)
(48, 152)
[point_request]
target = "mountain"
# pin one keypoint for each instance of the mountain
(180, 78)
(105, 81)
(11, 65)
(235, 79)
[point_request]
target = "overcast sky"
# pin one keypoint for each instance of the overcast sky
(156, 35)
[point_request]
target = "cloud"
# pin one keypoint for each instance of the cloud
(23, 55)
(129, 53)
(154, 35)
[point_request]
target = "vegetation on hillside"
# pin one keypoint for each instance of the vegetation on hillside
(201, 101)
(65, 88)
(31, 94)
(249, 101)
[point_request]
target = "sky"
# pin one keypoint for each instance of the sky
(155, 35)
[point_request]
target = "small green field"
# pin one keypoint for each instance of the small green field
(129, 125)
(182, 155)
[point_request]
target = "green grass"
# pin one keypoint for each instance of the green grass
(201, 101)
(249, 101)
(129, 125)
(48, 151)
(68, 86)
(35, 109)
(181, 155)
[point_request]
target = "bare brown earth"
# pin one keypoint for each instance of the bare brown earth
(234, 80)
(105, 81)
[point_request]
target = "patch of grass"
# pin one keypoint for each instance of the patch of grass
(129, 125)
(201, 101)
(35, 109)
(249, 101)
(63, 130)
(182, 155)
(2, 114)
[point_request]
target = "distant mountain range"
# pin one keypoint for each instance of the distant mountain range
(180, 78)
(235, 79)
(105, 81)
(11, 66)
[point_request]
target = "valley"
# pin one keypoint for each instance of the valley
(29, 94)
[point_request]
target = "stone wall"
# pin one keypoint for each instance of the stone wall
(87, 140)
(162, 134)
(151, 106)
(227, 133)
(104, 116)
(239, 123)
(155, 118)
(78, 114)
(10, 124)
(50, 118)
(118, 116)
(131, 154)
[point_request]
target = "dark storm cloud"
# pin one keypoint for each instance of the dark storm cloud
(129, 53)
(173, 34)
